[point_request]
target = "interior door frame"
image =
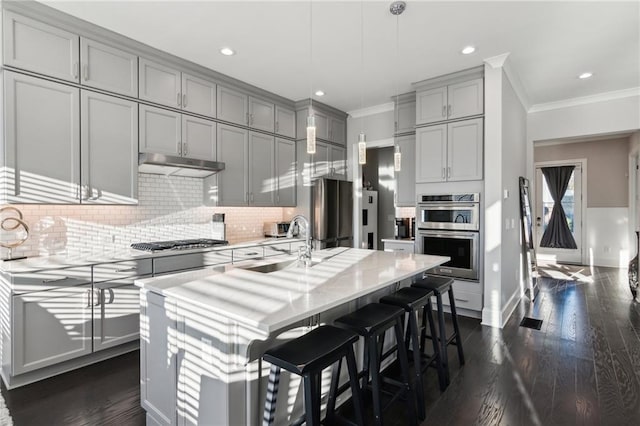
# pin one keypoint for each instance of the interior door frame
(583, 206)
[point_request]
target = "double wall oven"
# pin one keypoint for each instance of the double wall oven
(449, 225)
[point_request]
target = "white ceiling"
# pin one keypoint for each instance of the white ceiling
(550, 43)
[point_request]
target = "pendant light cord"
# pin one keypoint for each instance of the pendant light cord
(310, 57)
(362, 64)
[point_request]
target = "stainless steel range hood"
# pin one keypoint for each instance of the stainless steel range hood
(161, 164)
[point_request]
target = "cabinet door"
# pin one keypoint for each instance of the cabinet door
(109, 147)
(322, 126)
(406, 177)
(431, 153)
(431, 105)
(116, 316)
(34, 46)
(321, 163)
(232, 106)
(338, 162)
(160, 131)
(50, 327)
(158, 357)
(286, 173)
(466, 99)
(406, 117)
(198, 138)
(108, 68)
(337, 129)
(198, 95)
(261, 115)
(261, 169)
(285, 122)
(42, 141)
(160, 84)
(465, 150)
(233, 147)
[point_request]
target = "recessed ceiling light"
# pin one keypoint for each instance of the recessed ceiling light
(319, 93)
(585, 75)
(227, 51)
(468, 50)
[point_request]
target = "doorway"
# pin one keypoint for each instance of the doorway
(573, 204)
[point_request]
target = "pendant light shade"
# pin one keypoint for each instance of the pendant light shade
(397, 159)
(311, 134)
(362, 149)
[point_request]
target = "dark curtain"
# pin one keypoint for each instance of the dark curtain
(558, 234)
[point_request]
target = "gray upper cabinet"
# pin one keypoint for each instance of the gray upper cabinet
(107, 68)
(337, 130)
(431, 153)
(261, 115)
(285, 122)
(232, 106)
(406, 177)
(405, 117)
(109, 149)
(160, 131)
(285, 172)
(160, 84)
(233, 147)
(34, 46)
(321, 162)
(261, 169)
(450, 102)
(42, 140)
(337, 162)
(198, 138)
(322, 126)
(198, 95)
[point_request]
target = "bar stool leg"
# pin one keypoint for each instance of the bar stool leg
(355, 387)
(417, 363)
(443, 338)
(311, 399)
(428, 316)
(454, 317)
(272, 396)
(374, 363)
(333, 390)
(404, 365)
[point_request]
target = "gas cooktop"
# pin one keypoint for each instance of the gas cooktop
(179, 244)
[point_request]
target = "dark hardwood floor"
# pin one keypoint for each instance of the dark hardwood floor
(581, 368)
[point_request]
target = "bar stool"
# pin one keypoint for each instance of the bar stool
(412, 300)
(371, 322)
(307, 356)
(439, 286)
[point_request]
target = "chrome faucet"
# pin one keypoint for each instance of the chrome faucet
(304, 255)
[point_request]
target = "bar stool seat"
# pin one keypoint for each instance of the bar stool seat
(307, 356)
(371, 322)
(439, 286)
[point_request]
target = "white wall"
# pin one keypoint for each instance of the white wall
(608, 236)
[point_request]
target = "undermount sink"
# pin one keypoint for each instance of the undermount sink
(276, 266)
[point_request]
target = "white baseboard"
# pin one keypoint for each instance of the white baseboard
(498, 318)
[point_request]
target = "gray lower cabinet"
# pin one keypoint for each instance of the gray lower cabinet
(115, 315)
(233, 150)
(160, 84)
(285, 171)
(261, 169)
(160, 131)
(107, 68)
(41, 161)
(109, 149)
(35, 46)
(406, 177)
(232, 106)
(285, 122)
(50, 327)
(261, 115)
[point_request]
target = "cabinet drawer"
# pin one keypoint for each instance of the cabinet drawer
(216, 257)
(247, 253)
(122, 271)
(465, 300)
(284, 248)
(50, 279)
(163, 265)
(398, 247)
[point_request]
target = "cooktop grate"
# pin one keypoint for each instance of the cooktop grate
(179, 244)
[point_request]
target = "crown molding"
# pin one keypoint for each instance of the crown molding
(375, 109)
(600, 97)
(497, 61)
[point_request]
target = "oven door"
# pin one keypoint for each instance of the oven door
(461, 247)
(462, 216)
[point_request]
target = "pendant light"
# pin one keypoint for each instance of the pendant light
(396, 9)
(362, 139)
(311, 119)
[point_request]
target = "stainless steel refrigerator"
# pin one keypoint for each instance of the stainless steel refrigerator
(332, 213)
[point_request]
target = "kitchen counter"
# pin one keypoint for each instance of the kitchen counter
(203, 332)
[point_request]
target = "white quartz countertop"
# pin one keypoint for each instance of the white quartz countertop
(271, 301)
(41, 263)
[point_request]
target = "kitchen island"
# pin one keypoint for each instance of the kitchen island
(203, 332)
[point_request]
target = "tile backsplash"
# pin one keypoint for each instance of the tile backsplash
(170, 207)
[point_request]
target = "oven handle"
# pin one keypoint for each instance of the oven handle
(447, 206)
(448, 234)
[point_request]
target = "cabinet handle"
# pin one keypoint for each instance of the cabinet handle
(54, 280)
(448, 172)
(179, 99)
(278, 198)
(184, 100)
(99, 298)
(251, 197)
(88, 298)
(395, 125)
(184, 149)
(112, 296)
(450, 111)
(443, 173)
(246, 197)
(179, 148)
(117, 271)
(277, 127)
(460, 300)
(76, 66)
(444, 110)
(85, 72)
(251, 253)
(247, 118)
